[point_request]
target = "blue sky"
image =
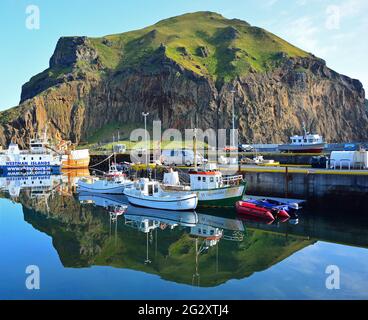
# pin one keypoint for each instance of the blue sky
(335, 30)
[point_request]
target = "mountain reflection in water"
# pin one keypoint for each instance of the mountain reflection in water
(197, 248)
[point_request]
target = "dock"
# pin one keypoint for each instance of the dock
(339, 187)
(300, 181)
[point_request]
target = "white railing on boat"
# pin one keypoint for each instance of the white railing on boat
(232, 179)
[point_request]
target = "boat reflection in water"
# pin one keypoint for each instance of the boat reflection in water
(39, 184)
(204, 249)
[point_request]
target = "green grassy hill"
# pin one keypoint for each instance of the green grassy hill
(205, 43)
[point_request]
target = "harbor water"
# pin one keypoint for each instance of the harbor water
(85, 247)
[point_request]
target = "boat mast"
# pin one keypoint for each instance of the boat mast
(233, 118)
(195, 148)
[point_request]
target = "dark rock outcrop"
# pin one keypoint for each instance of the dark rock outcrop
(81, 95)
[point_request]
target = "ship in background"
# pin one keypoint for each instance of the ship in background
(42, 156)
(307, 143)
(38, 158)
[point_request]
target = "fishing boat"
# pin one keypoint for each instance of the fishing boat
(114, 172)
(149, 194)
(307, 143)
(107, 186)
(256, 209)
(39, 158)
(213, 189)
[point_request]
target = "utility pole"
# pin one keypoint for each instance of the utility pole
(233, 118)
(145, 115)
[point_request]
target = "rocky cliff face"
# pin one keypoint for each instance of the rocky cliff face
(92, 83)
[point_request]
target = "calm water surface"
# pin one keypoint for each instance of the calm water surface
(86, 250)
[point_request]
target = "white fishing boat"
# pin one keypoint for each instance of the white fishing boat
(149, 194)
(213, 189)
(108, 186)
(307, 143)
(114, 172)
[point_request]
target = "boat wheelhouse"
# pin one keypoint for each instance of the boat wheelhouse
(216, 190)
(213, 189)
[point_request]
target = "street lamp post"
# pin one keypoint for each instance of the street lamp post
(145, 115)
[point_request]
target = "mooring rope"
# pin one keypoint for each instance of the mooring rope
(97, 164)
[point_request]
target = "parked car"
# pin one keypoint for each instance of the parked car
(245, 148)
(180, 157)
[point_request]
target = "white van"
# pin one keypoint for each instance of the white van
(180, 157)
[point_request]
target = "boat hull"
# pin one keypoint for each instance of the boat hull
(103, 187)
(29, 169)
(76, 159)
(75, 164)
(306, 148)
(185, 204)
(251, 210)
(221, 197)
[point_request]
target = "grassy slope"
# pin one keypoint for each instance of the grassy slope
(234, 47)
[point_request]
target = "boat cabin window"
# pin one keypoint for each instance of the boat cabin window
(305, 140)
(204, 179)
(212, 232)
(212, 179)
(150, 189)
(172, 153)
(155, 189)
(199, 178)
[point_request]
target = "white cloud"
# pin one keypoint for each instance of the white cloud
(303, 31)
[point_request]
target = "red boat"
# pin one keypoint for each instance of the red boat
(255, 210)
